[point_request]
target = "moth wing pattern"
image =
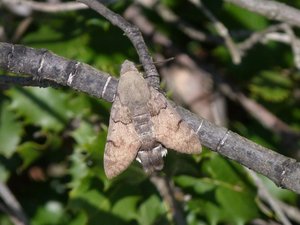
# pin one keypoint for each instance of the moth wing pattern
(119, 113)
(170, 129)
(120, 149)
(157, 102)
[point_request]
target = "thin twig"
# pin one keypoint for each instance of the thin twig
(291, 211)
(135, 36)
(14, 219)
(263, 222)
(165, 188)
(21, 29)
(277, 36)
(47, 7)
(184, 26)
(295, 44)
(258, 36)
(2, 34)
(222, 31)
(13, 205)
(271, 33)
(265, 117)
(271, 9)
(265, 195)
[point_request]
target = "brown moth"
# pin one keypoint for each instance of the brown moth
(142, 125)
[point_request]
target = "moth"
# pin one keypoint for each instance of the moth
(142, 126)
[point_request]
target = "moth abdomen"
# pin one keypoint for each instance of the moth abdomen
(152, 159)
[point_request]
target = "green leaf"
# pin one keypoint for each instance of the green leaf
(271, 86)
(48, 36)
(10, 131)
(50, 213)
(232, 195)
(80, 219)
(282, 194)
(125, 208)
(104, 24)
(4, 173)
(213, 212)
(248, 19)
(221, 170)
(29, 152)
(206, 208)
(46, 108)
(84, 134)
(199, 185)
(78, 169)
(238, 207)
(93, 198)
(150, 210)
(88, 155)
(5, 220)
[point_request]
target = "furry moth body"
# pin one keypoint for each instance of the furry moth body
(142, 125)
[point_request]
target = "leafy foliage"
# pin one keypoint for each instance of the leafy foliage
(52, 141)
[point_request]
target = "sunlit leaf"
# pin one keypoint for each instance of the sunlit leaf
(10, 131)
(126, 207)
(150, 210)
(29, 151)
(42, 107)
(50, 213)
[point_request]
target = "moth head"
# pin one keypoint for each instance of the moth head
(128, 66)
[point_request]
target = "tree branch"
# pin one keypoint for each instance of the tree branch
(42, 64)
(26, 81)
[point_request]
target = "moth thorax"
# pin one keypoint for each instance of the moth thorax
(152, 160)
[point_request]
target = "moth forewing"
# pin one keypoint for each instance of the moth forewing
(122, 142)
(171, 131)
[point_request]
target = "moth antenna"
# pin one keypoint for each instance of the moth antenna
(158, 62)
(164, 60)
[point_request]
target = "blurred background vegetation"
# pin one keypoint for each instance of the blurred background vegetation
(52, 140)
